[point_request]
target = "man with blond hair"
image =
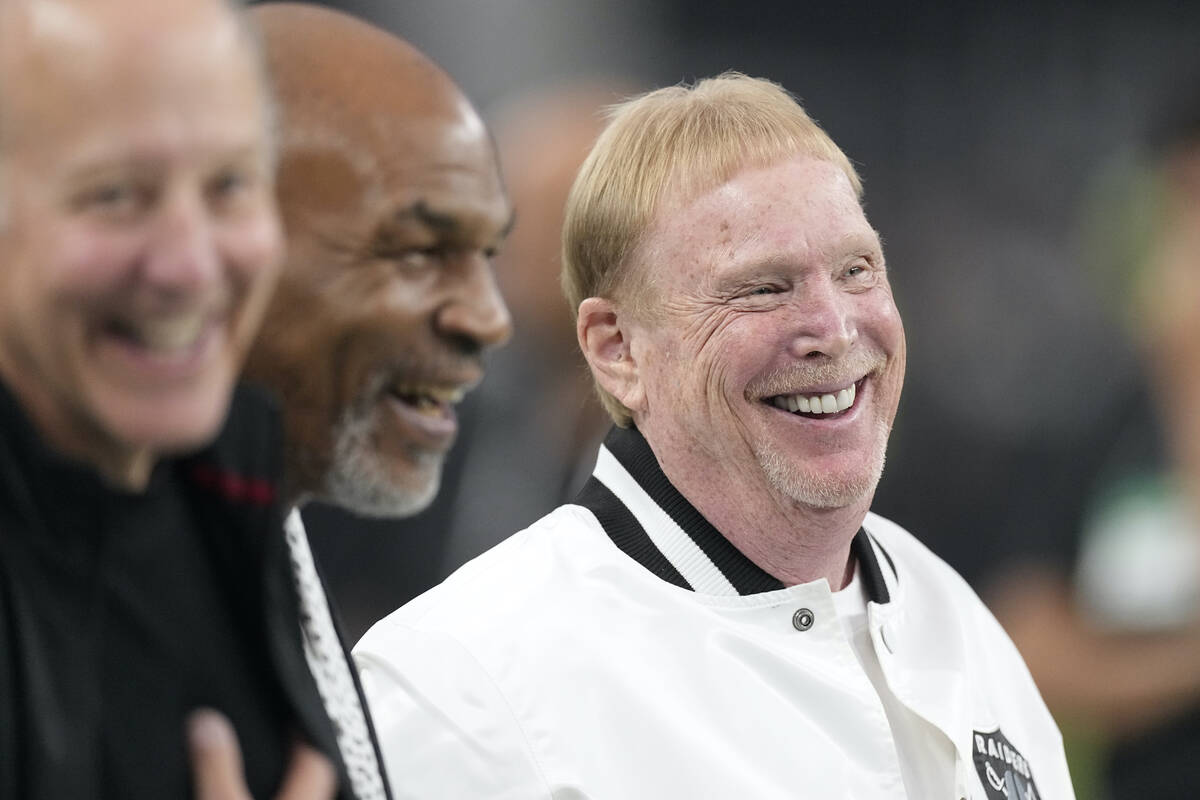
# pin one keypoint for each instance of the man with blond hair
(718, 614)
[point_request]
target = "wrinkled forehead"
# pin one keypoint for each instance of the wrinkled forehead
(391, 161)
(764, 207)
(448, 168)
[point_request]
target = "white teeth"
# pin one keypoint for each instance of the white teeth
(818, 404)
(171, 334)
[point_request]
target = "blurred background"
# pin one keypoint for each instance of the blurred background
(1017, 161)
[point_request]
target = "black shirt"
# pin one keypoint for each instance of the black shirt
(121, 612)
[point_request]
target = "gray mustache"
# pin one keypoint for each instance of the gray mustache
(802, 374)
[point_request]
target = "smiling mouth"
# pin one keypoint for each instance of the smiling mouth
(433, 401)
(163, 336)
(818, 405)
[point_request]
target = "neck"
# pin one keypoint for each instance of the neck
(294, 492)
(128, 471)
(122, 467)
(302, 479)
(788, 540)
(119, 464)
(798, 545)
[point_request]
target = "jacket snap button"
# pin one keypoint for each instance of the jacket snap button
(803, 619)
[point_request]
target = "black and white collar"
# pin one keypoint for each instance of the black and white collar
(651, 522)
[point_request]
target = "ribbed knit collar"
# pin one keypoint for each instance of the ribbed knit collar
(650, 521)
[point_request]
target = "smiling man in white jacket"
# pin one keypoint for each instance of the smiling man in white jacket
(718, 615)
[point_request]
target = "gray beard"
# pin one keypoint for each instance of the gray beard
(359, 481)
(819, 490)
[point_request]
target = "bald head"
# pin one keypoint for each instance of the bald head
(393, 207)
(140, 241)
(327, 64)
(111, 38)
(116, 38)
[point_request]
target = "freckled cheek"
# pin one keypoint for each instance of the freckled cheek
(881, 328)
(879, 318)
(741, 344)
(716, 372)
(893, 384)
(897, 344)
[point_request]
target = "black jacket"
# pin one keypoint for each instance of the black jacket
(101, 647)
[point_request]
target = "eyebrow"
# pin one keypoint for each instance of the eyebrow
(419, 211)
(441, 222)
(88, 168)
(862, 241)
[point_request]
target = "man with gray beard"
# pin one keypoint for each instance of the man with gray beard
(718, 614)
(393, 208)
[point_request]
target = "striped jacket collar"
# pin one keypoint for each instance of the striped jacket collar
(650, 521)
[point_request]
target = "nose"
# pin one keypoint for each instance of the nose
(183, 256)
(825, 321)
(475, 310)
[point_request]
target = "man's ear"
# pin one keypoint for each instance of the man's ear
(605, 339)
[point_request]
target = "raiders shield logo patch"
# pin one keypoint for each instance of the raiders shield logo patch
(1003, 770)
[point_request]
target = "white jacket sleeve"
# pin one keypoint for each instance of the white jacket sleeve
(445, 729)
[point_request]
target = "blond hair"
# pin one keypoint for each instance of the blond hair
(672, 145)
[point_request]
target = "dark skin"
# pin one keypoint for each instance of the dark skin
(393, 209)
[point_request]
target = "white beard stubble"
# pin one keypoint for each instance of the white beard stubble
(818, 489)
(360, 481)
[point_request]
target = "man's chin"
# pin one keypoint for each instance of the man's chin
(825, 494)
(380, 483)
(825, 490)
(373, 489)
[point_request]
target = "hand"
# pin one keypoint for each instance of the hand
(217, 764)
